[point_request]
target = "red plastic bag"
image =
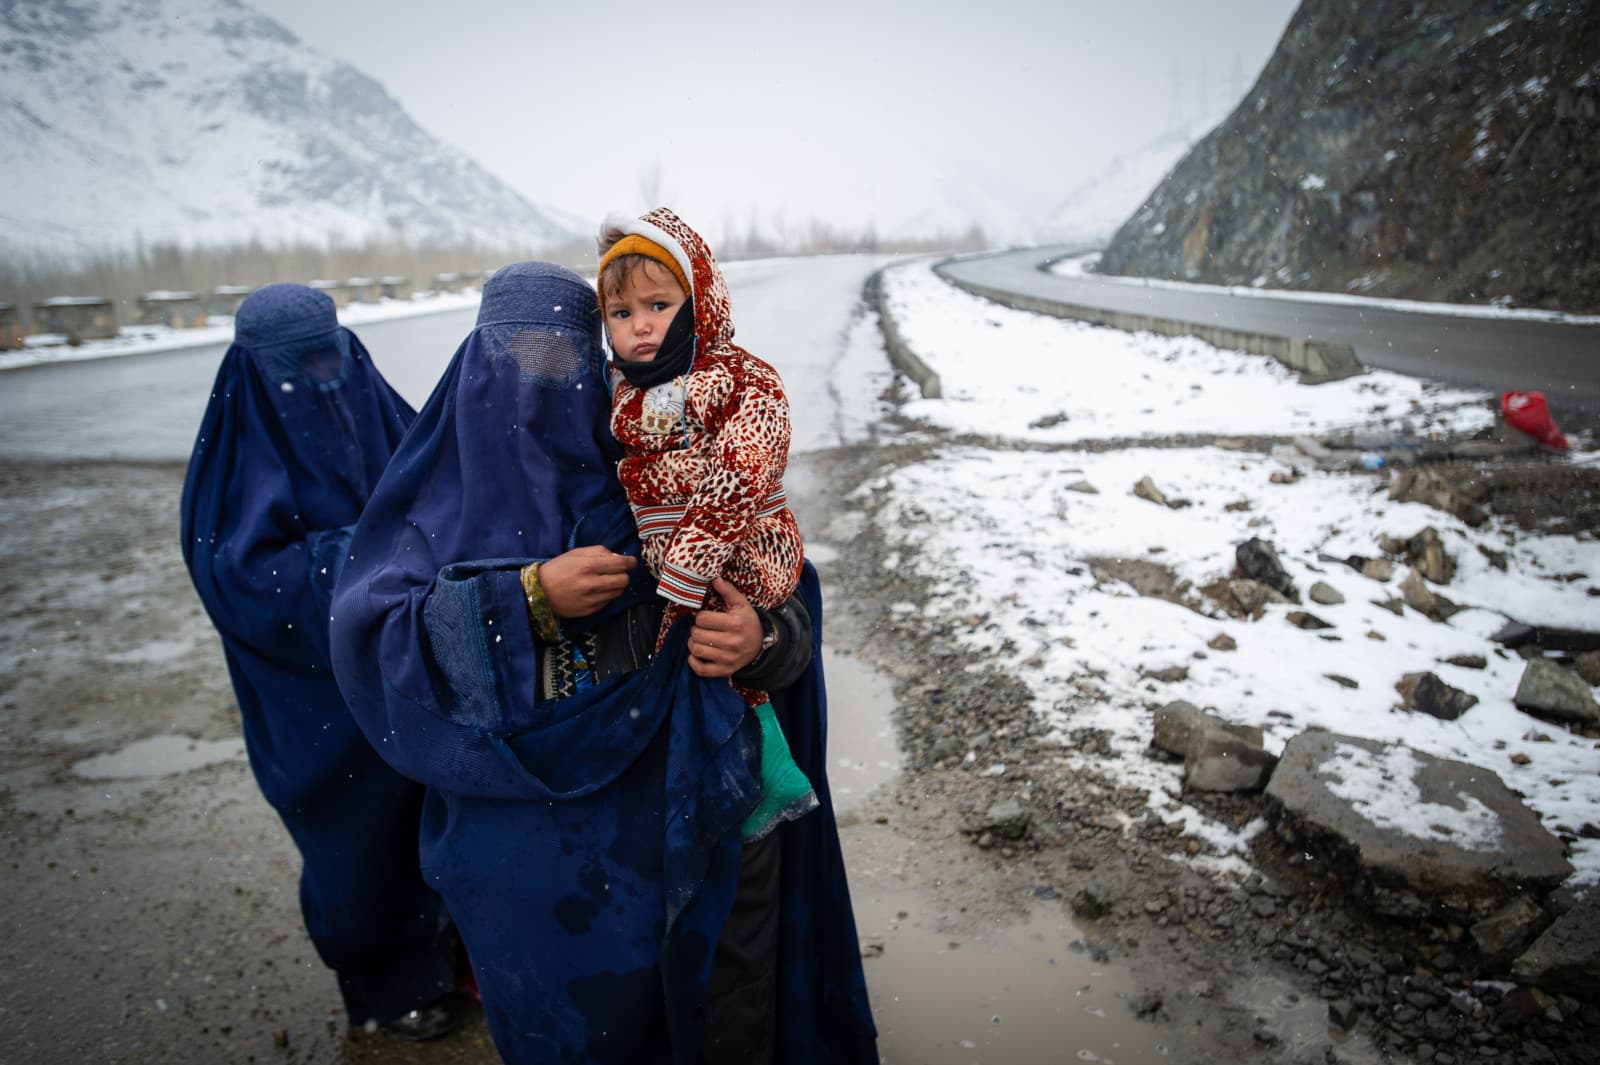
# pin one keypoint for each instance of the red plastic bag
(1527, 412)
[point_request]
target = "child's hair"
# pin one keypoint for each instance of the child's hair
(622, 255)
(620, 270)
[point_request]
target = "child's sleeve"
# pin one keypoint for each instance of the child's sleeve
(752, 431)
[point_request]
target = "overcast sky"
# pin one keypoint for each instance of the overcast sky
(836, 109)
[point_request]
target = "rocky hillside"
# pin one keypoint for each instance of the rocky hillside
(204, 122)
(1425, 149)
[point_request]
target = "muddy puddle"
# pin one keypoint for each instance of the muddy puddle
(1017, 992)
(862, 752)
(158, 756)
(954, 988)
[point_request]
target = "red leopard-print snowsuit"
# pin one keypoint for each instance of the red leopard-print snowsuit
(706, 484)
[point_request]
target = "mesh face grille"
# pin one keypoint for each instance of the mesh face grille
(323, 367)
(318, 362)
(547, 357)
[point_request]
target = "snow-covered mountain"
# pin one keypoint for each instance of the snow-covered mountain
(1094, 209)
(205, 122)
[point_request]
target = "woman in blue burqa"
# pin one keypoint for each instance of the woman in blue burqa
(298, 429)
(585, 801)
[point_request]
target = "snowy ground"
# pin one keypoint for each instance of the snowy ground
(1005, 534)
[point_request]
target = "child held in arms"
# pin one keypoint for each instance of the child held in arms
(704, 426)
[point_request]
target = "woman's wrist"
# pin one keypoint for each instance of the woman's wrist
(540, 614)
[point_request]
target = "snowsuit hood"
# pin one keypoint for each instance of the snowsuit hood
(713, 314)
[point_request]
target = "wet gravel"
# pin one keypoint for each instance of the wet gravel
(155, 918)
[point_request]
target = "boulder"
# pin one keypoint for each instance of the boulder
(1146, 489)
(1250, 597)
(1566, 958)
(1007, 819)
(1409, 831)
(1180, 725)
(1549, 691)
(1427, 694)
(1417, 595)
(1258, 561)
(1426, 553)
(1436, 489)
(1324, 594)
(1504, 934)
(1222, 761)
(1378, 569)
(1217, 755)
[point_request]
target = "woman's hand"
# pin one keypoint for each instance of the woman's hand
(585, 579)
(723, 642)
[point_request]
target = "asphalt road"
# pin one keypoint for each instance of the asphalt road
(1494, 353)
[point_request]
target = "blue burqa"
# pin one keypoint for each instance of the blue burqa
(298, 430)
(587, 847)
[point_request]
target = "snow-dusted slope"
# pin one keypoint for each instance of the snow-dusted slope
(204, 122)
(951, 195)
(1093, 210)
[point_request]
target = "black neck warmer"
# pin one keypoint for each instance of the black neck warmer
(672, 357)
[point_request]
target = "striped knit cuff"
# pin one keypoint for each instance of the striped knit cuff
(680, 586)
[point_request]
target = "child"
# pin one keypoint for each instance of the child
(705, 430)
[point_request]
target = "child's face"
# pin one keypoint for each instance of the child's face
(638, 314)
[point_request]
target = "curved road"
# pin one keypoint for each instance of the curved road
(1494, 353)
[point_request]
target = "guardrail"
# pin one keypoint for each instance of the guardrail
(1316, 361)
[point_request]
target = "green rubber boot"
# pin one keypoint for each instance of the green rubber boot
(785, 792)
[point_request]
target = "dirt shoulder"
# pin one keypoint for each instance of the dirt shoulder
(152, 903)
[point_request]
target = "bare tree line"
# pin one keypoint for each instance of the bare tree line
(123, 276)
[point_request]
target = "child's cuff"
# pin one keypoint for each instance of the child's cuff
(681, 586)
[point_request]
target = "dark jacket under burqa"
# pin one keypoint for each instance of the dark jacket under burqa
(587, 847)
(299, 427)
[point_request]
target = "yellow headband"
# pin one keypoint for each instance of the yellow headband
(634, 244)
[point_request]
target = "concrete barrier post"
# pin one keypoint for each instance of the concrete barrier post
(338, 291)
(10, 328)
(176, 310)
(225, 299)
(78, 318)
